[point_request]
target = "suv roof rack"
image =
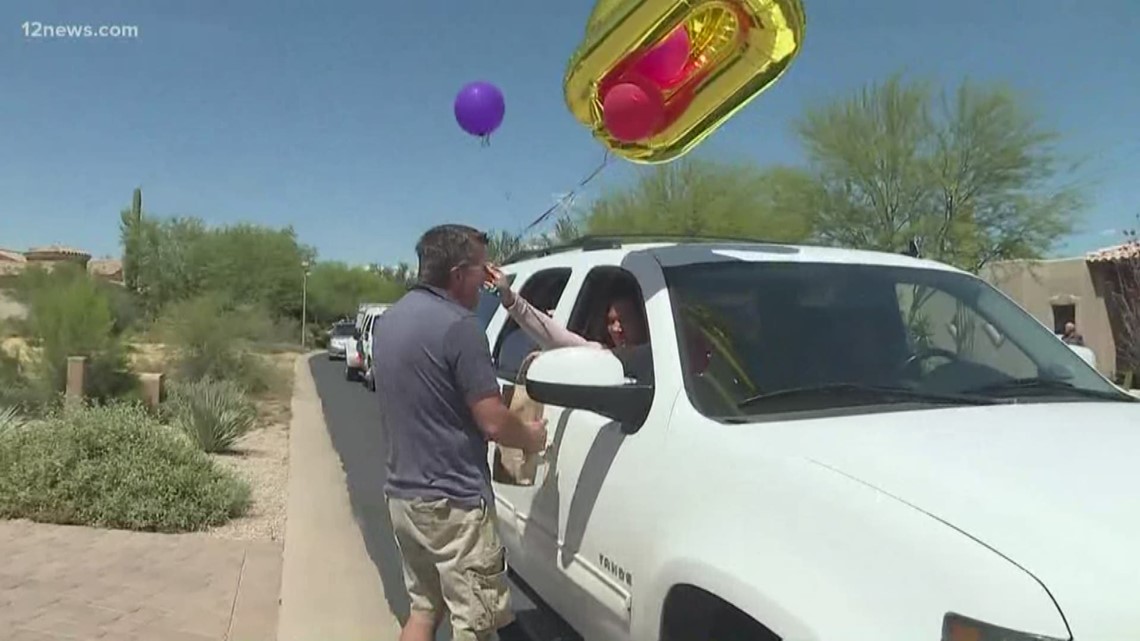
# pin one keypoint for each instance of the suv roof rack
(591, 242)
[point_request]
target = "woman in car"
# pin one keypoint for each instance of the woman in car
(624, 326)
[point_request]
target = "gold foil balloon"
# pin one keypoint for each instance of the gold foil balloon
(654, 78)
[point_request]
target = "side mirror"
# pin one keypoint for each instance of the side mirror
(591, 379)
(356, 334)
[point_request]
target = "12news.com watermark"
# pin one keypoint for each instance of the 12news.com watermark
(35, 30)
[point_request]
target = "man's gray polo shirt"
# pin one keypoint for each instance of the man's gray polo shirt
(431, 360)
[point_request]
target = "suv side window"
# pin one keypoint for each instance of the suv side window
(542, 291)
(601, 287)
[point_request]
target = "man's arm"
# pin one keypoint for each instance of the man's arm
(498, 424)
(470, 360)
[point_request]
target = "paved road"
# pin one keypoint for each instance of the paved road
(352, 416)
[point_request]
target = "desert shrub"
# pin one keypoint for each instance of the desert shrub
(69, 314)
(10, 419)
(213, 340)
(213, 414)
(18, 390)
(10, 327)
(113, 466)
(126, 309)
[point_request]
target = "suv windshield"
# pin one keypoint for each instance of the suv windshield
(343, 329)
(766, 337)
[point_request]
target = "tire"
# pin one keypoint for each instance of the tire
(695, 615)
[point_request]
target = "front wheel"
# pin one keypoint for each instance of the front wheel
(695, 615)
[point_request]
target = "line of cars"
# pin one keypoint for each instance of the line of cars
(352, 342)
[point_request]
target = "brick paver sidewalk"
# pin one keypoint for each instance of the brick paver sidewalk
(62, 583)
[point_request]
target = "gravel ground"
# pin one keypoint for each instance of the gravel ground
(261, 458)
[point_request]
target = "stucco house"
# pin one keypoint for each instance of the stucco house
(15, 262)
(1082, 290)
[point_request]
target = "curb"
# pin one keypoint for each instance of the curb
(329, 586)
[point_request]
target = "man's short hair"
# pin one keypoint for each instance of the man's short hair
(445, 247)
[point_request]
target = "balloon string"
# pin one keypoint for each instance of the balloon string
(573, 192)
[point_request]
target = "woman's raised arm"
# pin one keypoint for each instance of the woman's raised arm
(545, 331)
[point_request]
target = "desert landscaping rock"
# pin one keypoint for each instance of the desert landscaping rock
(262, 461)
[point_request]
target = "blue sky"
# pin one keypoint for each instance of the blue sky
(336, 117)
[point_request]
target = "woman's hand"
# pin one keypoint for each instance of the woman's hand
(499, 281)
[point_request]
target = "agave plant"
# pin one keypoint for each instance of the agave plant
(213, 414)
(10, 419)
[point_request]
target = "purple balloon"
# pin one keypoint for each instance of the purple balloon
(479, 108)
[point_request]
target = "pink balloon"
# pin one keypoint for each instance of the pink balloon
(665, 62)
(631, 112)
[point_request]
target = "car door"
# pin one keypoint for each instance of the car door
(598, 493)
(510, 345)
(366, 339)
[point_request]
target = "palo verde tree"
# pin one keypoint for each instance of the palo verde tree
(693, 197)
(972, 172)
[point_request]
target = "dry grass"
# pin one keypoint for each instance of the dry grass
(18, 347)
(149, 358)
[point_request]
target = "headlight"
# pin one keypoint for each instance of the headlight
(956, 627)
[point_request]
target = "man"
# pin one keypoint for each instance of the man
(1071, 336)
(440, 405)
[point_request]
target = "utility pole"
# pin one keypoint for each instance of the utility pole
(304, 301)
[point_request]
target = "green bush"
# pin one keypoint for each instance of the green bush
(126, 308)
(113, 466)
(213, 414)
(69, 314)
(10, 419)
(19, 391)
(213, 340)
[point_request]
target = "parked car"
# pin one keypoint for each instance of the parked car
(341, 340)
(816, 444)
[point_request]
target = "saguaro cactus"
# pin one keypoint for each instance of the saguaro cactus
(129, 235)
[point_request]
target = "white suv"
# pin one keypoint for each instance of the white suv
(820, 444)
(364, 328)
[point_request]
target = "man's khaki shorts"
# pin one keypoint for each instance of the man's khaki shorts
(455, 562)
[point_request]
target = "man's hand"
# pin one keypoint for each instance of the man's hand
(502, 426)
(535, 436)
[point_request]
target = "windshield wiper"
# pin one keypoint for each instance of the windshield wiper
(870, 392)
(1037, 384)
